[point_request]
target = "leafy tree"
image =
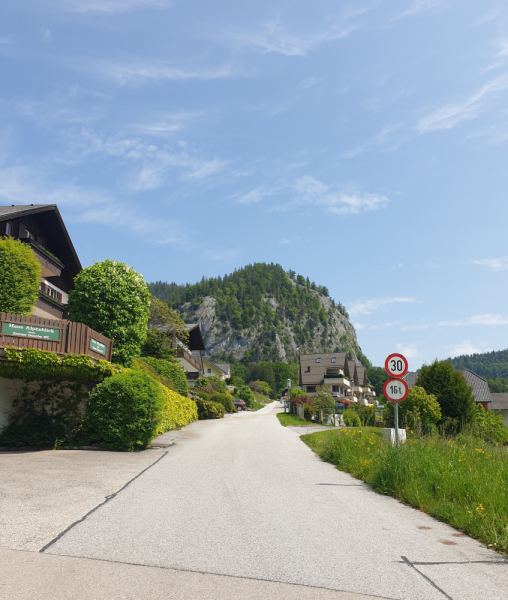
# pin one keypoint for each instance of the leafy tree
(260, 387)
(323, 398)
(451, 390)
(165, 318)
(20, 274)
(246, 394)
(113, 299)
(418, 407)
(377, 376)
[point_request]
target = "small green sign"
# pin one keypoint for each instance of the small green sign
(97, 346)
(31, 331)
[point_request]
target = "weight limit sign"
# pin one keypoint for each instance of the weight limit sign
(396, 365)
(395, 390)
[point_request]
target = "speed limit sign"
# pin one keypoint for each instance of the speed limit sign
(396, 365)
(396, 390)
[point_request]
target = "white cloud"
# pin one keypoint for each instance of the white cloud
(487, 319)
(450, 115)
(110, 7)
(378, 140)
(165, 124)
(360, 326)
(311, 191)
(258, 194)
(409, 350)
(284, 241)
(385, 325)
(503, 48)
(495, 264)
(134, 73)
(465, 347)
(417, 7)
(367, 307)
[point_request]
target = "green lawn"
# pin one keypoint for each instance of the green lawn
(260, 401)
(287, 419)
(462, 481)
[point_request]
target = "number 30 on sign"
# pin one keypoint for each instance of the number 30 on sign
(396, 365)
(395, 390)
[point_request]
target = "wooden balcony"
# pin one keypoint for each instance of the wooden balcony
(184, 355)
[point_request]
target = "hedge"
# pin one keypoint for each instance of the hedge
(20, 274)
(225, 400)
(177, 411)
(168, 370)
(209, 410)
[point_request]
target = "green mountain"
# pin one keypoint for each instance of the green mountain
(274, 314)
(493, 366)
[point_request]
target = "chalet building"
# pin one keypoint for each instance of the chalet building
(478, 385)
(344, 378)
(41, 227)
(210, 368)
(191, 357)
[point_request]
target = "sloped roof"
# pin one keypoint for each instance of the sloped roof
(19, 211)
(499, 402)
(311, 372)
(196, 341)
(224, 367)
(480, 387)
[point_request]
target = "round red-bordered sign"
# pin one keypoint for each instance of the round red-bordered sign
(395, 390)
(396, 365)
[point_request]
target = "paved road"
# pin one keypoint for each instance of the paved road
(244, 498)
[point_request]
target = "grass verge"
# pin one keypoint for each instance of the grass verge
(461, 481)
(287, 419)
(260, 401)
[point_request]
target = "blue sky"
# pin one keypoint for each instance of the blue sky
(362, 144)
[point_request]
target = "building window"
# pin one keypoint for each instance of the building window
(311, 388)
(8, 229)
(318, 360)
(335, 388)
(308, 369)
(209, 370)
(334, 359)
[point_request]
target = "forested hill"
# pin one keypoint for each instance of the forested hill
(261, 308)
(490, 365)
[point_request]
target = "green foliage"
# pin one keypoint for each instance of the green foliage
(156, 345)
(498, 385)
(124, 412)
(203, 395)
(30, 364)
(20, 273)
(165, 329)
(365, 414)
(225, 400)
(489, 425)
(241, 302)
(351, 418)
(210, 410)
(287, 420)
(177, 411)
(323, 398)
(168, 370)
(377, 376)
(491, 365)
(460, 481)
(36, 429)
(297, 392)
(419, 408)
(210, 384)
(246, 394)
(451, 390)
(112, 298)
(260, 387)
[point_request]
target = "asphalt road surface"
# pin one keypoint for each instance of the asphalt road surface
(245, 498)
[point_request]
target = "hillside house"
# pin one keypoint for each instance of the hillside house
(191, 357)
(42, 228)
(210, 368)
(478, 385)
(343, 378)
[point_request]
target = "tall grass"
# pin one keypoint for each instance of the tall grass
(462, 481)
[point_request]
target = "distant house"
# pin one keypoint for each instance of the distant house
(191, 357)
(500, 403)
(343, 378)
(210, 368)
(41, 227)
(478, 385)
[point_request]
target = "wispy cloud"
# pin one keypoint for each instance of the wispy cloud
(259, 193)
(408, 350)
(487, 319)
(452, 114)
(223, 254)
(110, 7)
(495, 264)
(418, 6)
(367, 307)
(378, 140)
(465, 347)
(309, 190)
(162, 125)
(138, 72)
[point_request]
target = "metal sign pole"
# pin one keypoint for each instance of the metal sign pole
(396, 419)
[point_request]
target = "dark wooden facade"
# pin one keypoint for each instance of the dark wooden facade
(73, 338)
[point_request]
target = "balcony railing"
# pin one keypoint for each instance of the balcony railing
(183, 354)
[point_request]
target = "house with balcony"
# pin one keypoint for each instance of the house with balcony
(190, 358)
(41, 227)
(344, 378)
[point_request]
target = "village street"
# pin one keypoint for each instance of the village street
(236, 508)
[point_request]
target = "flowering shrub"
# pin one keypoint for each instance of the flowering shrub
(177, 411)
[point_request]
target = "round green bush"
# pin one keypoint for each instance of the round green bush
(113, 299)
(124, 411)
(203, 395)
(169, 369)
(20, 274)
(209, 410)
(225, 400)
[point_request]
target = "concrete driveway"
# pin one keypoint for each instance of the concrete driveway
(239, 508)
